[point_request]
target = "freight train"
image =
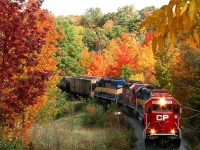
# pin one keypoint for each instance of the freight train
(159, 112)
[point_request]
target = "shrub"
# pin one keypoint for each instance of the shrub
(11, 144)
(62, 105)
(121, 139)
(94, 116)
(111, 109)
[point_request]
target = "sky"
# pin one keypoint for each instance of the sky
(78, 7)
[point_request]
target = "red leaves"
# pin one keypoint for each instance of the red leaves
(148, 37)
(123, 57)
(21, 41)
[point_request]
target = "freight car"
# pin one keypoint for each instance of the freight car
(79, 85)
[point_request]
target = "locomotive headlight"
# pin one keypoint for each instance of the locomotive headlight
(175, 116)
(173, 131)
(152, 131)
(162, 101)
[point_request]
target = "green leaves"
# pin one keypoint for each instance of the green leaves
(71, 47)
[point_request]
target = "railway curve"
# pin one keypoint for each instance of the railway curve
(140, 144)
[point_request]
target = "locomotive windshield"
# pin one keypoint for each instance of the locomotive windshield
(157, 107)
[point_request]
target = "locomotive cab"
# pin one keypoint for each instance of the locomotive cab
(162, 115)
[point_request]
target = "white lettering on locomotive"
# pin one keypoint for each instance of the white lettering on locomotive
(162, 117)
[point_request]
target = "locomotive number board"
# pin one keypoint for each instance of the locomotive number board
(157, 102)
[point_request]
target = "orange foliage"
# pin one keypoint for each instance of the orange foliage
(108, 25)
(90, 109)
(119, 52)
(126, 51)
(47, 61)
(123, 57)
(76, 19)
(98, 66)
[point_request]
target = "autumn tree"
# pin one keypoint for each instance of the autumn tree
(45, 109)
(21, 84)
(95, 39)
(165, 60)
(92, 17)
(143, 56)
(90, 37)
(148, 38)
(127, 71)
(98, 66)
(186, 77)
(124, 57)
(116, 31)
(120, 56)
(146, 64)
(127, 16)
(108, 25)
(75, 20)
(86, 58)
(146, 12)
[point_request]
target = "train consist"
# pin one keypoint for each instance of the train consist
(159, 112)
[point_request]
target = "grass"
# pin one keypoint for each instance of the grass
(68, 134)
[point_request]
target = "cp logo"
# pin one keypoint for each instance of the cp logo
(162, 117)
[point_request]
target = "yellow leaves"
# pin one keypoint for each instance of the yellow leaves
(186, 20)
(184, 8)
(160, 43)
(149, 21)
(86, 58)
(162, 27)
(154, 44)
(170, 16)
(173, 35)
(193, 10)
(138, 77)
(145, 22)
(178, 19)
(192, 42)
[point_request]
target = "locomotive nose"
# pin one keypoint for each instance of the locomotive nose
(163, 122)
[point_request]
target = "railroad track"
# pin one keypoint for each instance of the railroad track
(140, 144)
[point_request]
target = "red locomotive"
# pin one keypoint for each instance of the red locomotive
(162, 115)
(157, 109)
